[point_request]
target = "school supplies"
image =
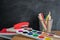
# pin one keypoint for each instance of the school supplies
(41, 18)
(46, 22)
(21, 24)
(38, 35)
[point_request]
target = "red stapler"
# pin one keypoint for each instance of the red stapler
(21, 24)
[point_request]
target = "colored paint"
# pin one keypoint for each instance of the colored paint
(47, 38)
(50, 35)
(38, 32)
(30, 33)
(35, 35)
(41, 36)
(25, 32)
(20, 31)
(34, 31)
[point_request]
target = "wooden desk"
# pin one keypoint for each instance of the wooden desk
(57, 32)
(20, 37)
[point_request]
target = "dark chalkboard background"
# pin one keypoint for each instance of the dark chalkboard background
(14, 11)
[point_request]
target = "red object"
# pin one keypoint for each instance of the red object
(50, 35)
(20, 25)
(3, 30)
(41, 36)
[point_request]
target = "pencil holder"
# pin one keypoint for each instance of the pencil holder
(46, 26)
(49, 26)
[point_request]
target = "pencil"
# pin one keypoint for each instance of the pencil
(41, 18)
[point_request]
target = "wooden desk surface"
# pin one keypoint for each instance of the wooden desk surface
(57, 33)
(21, 37)
(18, 37)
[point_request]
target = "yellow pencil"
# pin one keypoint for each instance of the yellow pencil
(48, 18)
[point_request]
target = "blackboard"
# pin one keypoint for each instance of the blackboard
(12, 11)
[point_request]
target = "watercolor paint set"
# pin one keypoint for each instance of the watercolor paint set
(29, 32)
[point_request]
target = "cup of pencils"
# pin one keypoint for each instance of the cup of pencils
(49, 26)
(46, 22)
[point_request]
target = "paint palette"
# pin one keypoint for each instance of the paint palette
(29, 32)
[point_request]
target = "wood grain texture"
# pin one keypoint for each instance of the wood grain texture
(20, 37)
